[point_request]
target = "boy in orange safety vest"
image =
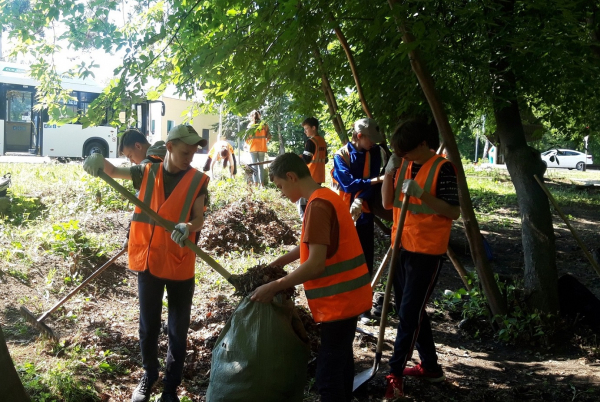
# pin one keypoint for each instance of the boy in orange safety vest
(332, 269)
(314, 155)
(430, 180)
(177, 192)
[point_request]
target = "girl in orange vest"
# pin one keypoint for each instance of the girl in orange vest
(430, 180)
(177, 192)
(332, 269)
(257, 145)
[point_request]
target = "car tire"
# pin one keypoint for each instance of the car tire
(95, 147)
(579, 166)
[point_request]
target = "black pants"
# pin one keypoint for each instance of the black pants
(179, 294)
(414, 279)
(366, 236)
(335, 363)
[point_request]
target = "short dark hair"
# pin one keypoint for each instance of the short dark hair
(288, 162)
(311, 121)
(410, 133)
(224, 152)
(130, 137)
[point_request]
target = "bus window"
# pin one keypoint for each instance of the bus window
(70, 108)
(19, 105)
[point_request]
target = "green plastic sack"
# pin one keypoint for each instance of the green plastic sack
(260, 355)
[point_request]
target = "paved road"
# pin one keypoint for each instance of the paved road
(198, 162)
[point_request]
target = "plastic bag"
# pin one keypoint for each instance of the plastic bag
(261, 355)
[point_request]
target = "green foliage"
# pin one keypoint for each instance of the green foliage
(21, 276)
(56, 384)
(22, 209)
(66, 239)
(520, 325)
(470, 303)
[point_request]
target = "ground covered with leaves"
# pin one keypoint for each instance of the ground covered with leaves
(98, 358)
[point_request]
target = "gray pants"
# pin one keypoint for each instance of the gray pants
(301, 206)
(259, 173)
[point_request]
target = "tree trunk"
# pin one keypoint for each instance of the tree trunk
(486, 276)
(281, 140)
(11, 388)
(486, 148)
(336, 118)
(522, 161)
(346, 47)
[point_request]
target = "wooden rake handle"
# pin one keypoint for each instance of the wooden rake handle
(573, 232)
(165, 223)
(388, 286)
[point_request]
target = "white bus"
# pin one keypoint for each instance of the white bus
(23, 130)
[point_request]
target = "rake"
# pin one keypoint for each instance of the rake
(39, 322)
(169, 226)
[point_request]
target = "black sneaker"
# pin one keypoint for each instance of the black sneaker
(169, 397)
(142, 392)
(376, 310)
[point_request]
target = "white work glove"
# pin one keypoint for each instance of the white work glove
(356, 209)
(180, 233)
(93, 163)
(410, 187)
(393, 164)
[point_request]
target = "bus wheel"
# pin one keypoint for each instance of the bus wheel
(95, 147)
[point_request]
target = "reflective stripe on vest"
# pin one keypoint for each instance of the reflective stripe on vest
(343, 290)
(317, 163)
(150, 246)
(424, 230)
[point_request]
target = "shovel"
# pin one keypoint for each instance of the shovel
(366, 375)
(39, 322)
(167, 224)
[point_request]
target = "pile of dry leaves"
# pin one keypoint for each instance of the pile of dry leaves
(245, 225)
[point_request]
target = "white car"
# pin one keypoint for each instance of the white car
(565, 158)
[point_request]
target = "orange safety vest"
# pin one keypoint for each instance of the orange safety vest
(343, 290)
(215, 151)
(425, 231)
(317, 164)
(258, 141)
(150, 247)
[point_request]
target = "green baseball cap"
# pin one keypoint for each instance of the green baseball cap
(186, 134)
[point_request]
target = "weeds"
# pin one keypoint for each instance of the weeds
(56, 384)
(520, 325)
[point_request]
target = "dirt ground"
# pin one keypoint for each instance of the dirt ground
(478, 367)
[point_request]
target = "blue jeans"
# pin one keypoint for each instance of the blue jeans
(179, 295)
(335, 362)
(258, 175)
(414, 279)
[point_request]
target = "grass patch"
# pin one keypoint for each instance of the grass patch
(56, 384)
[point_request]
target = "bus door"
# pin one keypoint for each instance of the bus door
(19, 123)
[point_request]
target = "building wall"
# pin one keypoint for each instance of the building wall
(175, 114)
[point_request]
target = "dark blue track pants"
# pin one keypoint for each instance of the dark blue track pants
(335, 362)
(414, 280)
(179, 297)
